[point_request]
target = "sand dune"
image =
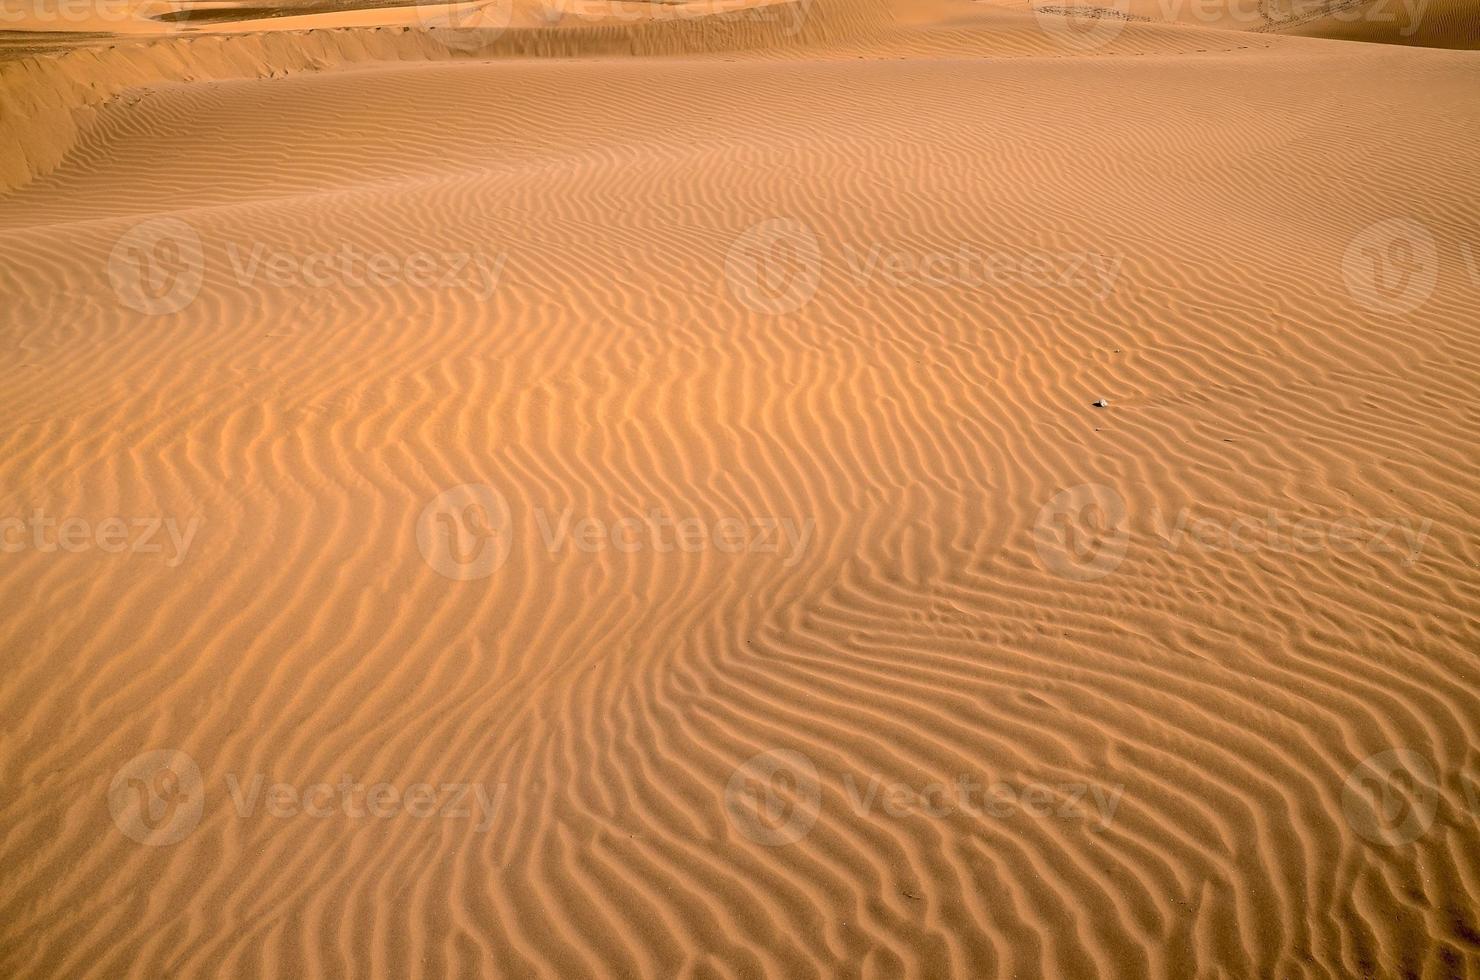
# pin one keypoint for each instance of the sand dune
(672, 445)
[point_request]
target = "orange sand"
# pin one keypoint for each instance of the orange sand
(656, 447)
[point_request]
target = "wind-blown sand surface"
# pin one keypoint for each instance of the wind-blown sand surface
(805, 618)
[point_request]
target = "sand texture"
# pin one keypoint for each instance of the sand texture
(621, 494)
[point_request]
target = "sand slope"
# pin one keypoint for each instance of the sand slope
(681, 743)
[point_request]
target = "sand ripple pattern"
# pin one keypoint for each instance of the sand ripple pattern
(1212, 707)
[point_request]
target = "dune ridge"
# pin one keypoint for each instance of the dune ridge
(51, 96)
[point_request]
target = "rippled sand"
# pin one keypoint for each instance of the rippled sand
(618, 491)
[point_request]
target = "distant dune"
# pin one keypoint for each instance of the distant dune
(841, 488)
